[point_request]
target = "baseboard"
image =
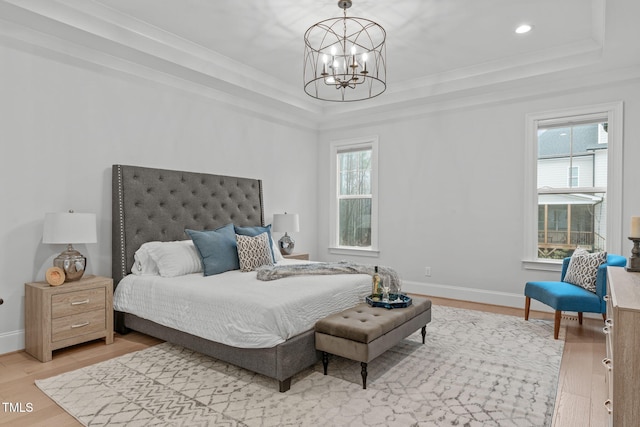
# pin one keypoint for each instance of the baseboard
(11, 341)
(465, 294)
(483, 296)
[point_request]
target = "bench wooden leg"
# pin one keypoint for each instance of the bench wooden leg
(556, 324)
(364, 375)
(325, 361)
(527, 306)
(424, 333)
(580, 318)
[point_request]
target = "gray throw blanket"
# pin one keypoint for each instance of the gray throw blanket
(273, 272)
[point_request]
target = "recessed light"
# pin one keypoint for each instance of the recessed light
(524, 28)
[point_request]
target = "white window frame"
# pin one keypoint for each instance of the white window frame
(369, 142)
(613, 114)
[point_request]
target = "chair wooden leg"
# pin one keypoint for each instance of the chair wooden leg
(527, 305)
(556, 324)
(604, 316)
(580, 317)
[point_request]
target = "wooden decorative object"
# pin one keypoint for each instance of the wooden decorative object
(634, 260)
(55, 276)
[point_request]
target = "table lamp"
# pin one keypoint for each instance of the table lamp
(68, 228)
(284, 223)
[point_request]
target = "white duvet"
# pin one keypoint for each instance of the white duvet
(235, 308)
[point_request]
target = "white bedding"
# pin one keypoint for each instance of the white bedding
(235, 308)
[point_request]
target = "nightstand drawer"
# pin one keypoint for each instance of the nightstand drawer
(77, 325)
(68, 303)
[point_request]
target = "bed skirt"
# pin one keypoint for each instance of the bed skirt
(280, 362)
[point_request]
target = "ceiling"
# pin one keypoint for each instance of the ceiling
(437, 50)
(425, 38)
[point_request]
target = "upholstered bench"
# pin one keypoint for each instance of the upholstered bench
(363, 333)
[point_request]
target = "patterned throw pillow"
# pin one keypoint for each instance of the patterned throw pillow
(583, 268)
(254, 252)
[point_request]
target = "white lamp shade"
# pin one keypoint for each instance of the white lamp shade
(286, 223)
(69, 227)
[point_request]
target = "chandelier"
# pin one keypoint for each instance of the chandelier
(344, 58)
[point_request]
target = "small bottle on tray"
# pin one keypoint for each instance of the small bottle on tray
(376, 285)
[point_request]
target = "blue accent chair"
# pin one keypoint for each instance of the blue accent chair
(563, 296)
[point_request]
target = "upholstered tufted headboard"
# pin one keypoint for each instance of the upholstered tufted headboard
(157, 205)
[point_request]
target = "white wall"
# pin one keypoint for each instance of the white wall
(63, 125)
(451, 182)
(451, 193)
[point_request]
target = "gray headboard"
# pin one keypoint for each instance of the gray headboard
(157, 205)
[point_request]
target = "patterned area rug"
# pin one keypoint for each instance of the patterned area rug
(476, 369)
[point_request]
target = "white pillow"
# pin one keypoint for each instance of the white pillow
(168, 259)
(277, 255)
(143, 264)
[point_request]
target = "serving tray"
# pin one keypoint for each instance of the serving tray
(393, 303)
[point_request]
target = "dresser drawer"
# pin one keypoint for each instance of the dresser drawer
(78, 324)
(69, 303)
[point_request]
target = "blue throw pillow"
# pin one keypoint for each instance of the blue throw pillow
(254, 231)
(217, 248)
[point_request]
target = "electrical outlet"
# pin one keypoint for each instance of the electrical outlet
(427, 271)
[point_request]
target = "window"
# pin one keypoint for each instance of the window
(354, 198)
(572, 211)
(573, 172)
(573, 158)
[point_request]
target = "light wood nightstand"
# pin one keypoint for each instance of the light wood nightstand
(72, 313)
(297, 256)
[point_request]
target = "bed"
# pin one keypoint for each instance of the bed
(157, 205)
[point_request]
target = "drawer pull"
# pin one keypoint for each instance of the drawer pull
(80, 325)
(607, 405)
(80, 302)
(606, 297)
(606, 330)
(608, 322)
(606, 362)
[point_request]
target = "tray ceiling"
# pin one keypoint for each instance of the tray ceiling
(437, 50)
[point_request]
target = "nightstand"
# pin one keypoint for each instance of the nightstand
(297, 256)
(72, 313)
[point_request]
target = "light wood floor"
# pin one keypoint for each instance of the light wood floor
(581, 388)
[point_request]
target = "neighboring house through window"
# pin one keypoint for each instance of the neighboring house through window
(573, 159)
(354, 165)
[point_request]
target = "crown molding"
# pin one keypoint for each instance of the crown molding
(90, 34)
(534, 87)
(117, 42)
